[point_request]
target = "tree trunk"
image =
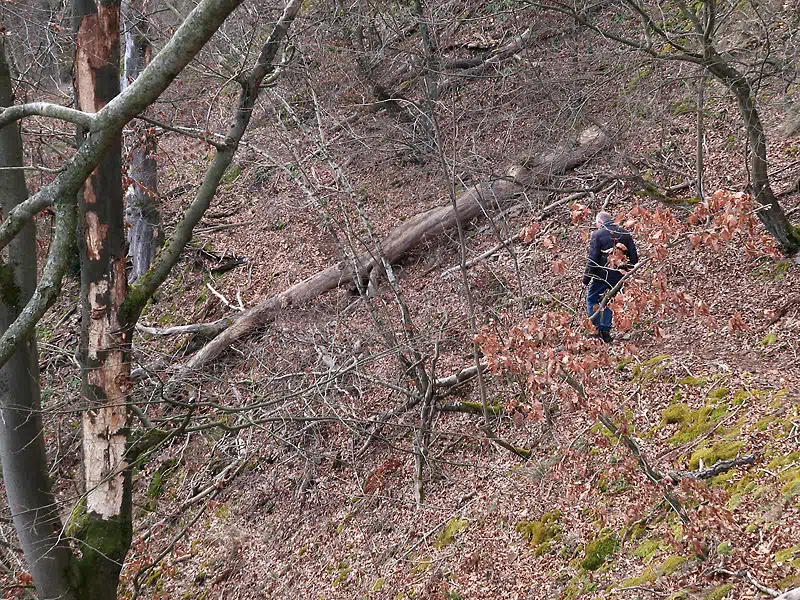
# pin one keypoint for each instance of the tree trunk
(771, 215)
(419, 228)
(105, 527)
(25, 472)
(144, 234)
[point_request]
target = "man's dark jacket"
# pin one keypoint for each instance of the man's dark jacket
(601, 245)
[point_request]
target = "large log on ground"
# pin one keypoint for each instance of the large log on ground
(488, 196)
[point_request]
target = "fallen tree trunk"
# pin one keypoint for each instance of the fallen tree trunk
(424, 226)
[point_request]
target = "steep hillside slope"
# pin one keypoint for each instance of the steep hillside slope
(301, 473)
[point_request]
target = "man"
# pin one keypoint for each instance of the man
(598, 276)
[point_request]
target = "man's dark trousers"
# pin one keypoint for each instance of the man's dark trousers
(598, 289)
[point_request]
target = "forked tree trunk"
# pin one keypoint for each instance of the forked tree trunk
(30, 500)
(141, 199)
(105, 527)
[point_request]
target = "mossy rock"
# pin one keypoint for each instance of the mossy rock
(676, 413)
(789, 556)
(692, 381)
(453, 527)
(599, 550)
(648, 548)
(540, 533)
(791, 483)
(652, 573)
(649, 369)
(719, 592)
(710, 455)
(696, 422)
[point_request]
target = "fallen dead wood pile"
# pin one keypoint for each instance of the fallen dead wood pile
(486, 197)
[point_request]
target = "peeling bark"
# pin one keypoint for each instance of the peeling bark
(145, 235)
(105, 348)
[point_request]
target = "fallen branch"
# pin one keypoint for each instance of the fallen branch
(783, 310)
(746, 576)
(718, 468)
(413, 232)
(460, 377)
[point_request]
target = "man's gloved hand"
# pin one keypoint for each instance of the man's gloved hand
(587, 280)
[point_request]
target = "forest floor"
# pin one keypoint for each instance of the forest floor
(297, 510)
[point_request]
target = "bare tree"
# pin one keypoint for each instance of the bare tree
(25, 471)
(102, 524)
(693, 34)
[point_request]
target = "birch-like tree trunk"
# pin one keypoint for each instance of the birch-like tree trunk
(145, 235)
(25, 474)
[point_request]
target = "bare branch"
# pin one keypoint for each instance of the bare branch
(45, 109)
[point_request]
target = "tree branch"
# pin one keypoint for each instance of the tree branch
(49, 286)
(45, 109)
(146, 285)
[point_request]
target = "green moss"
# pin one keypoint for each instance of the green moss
(156, 486)
(100, 541)
(649, 369)
(342, 573)
(539, 533)
(781, 269)
(696, 422)
(477, 408)
(783, 461)
(378, 585)
(599, 550)
(421, 566)
(764, 423)
(692, 381)
(677, 413)
(710, 455)
(790, 556)
(725, 548)
(719, 393)
(768, 340)
(789, 583)
(231, 174)
(647, 576)
(647, 549)
(734, 501)
(451, 529)
(578, 587)
(672, 564)
(719, 592)
(651, 573)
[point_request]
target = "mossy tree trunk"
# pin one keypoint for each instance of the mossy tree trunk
(105, 529)
(25, 473)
